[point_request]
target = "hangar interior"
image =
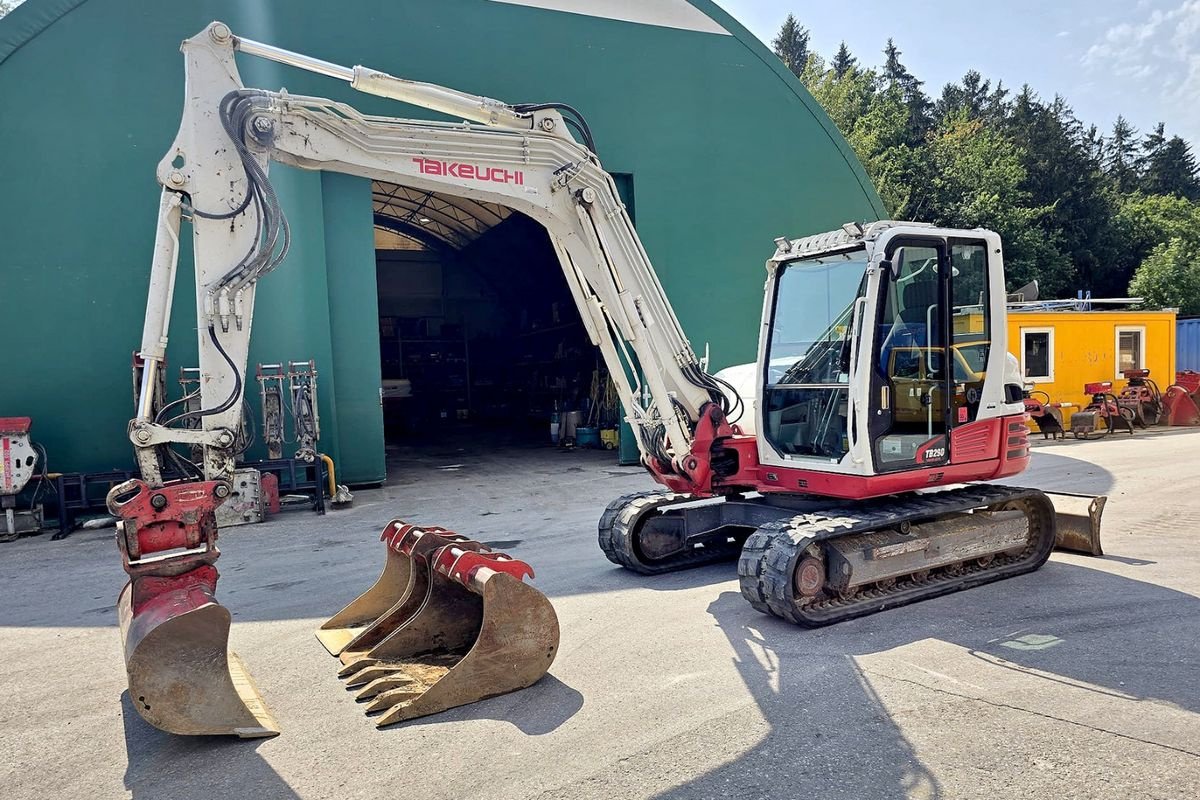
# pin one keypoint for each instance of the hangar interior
(478, 333)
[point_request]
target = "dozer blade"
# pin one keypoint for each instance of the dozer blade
(182, 676)
(1077, 518)
(466, 628)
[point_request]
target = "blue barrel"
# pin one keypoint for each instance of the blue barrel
(587, 437)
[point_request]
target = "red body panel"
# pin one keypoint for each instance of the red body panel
(979, 451)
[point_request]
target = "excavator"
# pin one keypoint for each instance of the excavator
(845, 471)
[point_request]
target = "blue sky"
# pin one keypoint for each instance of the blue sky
(1140, 58)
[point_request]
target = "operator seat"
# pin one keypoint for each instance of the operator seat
(911, 326)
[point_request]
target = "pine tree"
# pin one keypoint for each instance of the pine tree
(972, 95)
(899, 80)
(791, 45)
(1120, 160)
(1171, 168)
(843, 62)
(1152, 146)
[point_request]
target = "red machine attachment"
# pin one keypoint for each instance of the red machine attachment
(1103, 415)
(1181, 401)
(1047, 416)
(1142, 398)
(182, 677)
(448, 622)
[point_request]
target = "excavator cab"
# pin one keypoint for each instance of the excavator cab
(879, 346)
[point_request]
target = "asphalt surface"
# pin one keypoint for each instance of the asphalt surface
(1078, 681)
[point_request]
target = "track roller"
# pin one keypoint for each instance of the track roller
(820, 568)
(638, 532)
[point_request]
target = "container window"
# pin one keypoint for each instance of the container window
(1037, 354)
(1131, 350)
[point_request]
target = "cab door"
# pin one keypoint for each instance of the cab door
(913, 367)
(971, 325)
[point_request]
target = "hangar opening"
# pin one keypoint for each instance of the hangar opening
(478, 334)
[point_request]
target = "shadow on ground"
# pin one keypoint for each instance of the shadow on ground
(536, 711)
(830, 736)
(162, 765)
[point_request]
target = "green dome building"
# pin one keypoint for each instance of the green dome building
(717, 148)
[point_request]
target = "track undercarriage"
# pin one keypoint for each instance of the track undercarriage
(815, 562)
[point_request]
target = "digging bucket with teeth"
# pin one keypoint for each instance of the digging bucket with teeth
(449, 622)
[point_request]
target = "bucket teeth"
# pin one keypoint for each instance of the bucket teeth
(389, 699)
(355, 666)
(464, 627)
(385, 684)
(368, 674)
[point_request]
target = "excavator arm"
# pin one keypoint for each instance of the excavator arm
(215, 175)
(522, 157)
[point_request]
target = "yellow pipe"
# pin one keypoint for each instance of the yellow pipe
(332, 475)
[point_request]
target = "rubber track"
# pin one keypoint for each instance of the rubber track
(769, 556)
(618, 528)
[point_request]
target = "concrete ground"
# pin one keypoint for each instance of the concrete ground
(1079, 681)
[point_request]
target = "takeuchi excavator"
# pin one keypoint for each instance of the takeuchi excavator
(844, 470)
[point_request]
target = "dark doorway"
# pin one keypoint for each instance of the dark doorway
(479, 335)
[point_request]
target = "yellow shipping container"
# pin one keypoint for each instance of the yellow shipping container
(1060, 351)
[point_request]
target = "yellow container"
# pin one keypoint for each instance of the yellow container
(1061, 351)
(608, 438)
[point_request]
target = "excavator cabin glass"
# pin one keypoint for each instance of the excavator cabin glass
(806, 392)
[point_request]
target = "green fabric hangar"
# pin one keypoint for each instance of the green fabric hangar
(457, 308)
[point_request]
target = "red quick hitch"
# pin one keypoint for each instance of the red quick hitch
(461, 565)
(159, 520)
(403, 537)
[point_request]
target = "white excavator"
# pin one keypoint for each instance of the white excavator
(844, 471)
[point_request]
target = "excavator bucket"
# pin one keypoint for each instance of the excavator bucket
(449, 622)
(1180, 406)
(183, 678)
(1077, 518)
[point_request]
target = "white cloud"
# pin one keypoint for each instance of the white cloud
(1062, 34)
(1161, 51)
